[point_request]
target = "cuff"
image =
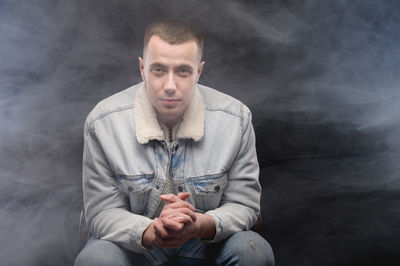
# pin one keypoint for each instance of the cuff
(219, 229)
(137, 234)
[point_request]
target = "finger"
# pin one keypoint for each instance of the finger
(188, 212)
(169, 242)
(183, 212)
(171, 225)
(176, 218)
(182, 219)
(171, 198)
(176, 211)
(159, 229)
(183, 195)
(180, 236)
(170, 214)
(180, 204)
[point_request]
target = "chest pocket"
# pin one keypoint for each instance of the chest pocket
(138, 188)
(207, 190)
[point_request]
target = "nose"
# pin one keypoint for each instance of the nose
(170, 86)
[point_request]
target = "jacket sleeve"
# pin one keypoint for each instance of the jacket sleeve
(106, 207)
(240, 203)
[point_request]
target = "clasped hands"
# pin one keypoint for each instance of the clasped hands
(177, 223)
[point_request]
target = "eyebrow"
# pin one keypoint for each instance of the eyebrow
(156, 64)
(184, 66)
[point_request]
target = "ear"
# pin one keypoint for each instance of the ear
(200, 70)
(141, 67)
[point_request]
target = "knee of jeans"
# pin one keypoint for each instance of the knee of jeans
(86, 259)
(251, 249)
(101, 253)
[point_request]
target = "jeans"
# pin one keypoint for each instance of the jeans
(242, 248)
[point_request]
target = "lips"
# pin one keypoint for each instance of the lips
(170, 102)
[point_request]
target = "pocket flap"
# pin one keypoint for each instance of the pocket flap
(210, 184)
(134, 183)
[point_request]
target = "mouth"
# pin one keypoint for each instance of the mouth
(170, 102)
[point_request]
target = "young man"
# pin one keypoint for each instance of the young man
(170, 172)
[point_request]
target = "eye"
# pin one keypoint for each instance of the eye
(184, 72)
(156, 69)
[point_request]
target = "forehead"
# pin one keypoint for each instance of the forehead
(163, 52)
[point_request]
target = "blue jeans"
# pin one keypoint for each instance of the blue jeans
(242, 248)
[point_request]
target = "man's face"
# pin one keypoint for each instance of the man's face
(170, 72)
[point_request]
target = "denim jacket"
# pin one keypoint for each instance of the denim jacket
(126, 161)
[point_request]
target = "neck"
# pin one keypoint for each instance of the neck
(170, 122)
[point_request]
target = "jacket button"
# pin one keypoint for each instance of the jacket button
(157, 187)
(217, 188)
(180, 188)
(130, 189)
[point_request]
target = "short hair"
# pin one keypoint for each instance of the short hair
(173, 31)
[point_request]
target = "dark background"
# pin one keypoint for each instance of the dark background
(321, 77)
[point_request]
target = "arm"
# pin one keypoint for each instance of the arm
(240, 203)
(107, 208)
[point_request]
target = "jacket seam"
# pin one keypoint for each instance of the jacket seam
(115, 110)
(241, 120)
(241, 114)
(91, 129)
(222, 110)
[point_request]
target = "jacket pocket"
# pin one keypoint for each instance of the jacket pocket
(208, 190)
(138, 188)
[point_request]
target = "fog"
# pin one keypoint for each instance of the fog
(321, 78)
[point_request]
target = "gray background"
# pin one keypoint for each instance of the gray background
(321, 77)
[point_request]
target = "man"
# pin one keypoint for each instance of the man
(170, 172)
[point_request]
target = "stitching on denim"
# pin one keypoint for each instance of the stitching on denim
(225, 110)
(91, 129)
(117, 109)
(210, 176)
(155, 157)
(206, 186)
(221, 228)
(134, 177)
(148, 179)
(184, 158)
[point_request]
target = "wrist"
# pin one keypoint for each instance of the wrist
(205, 229)
(148, 239)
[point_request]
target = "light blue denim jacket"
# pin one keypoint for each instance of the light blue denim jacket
(126, 162)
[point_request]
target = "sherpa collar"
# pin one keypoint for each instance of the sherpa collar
(148, 128)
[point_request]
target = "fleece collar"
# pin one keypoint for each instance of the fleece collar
(148, 128)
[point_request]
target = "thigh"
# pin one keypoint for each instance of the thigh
(245, 248)
(102, 252)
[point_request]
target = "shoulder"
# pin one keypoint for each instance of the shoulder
(118, 102)
(216, 101)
